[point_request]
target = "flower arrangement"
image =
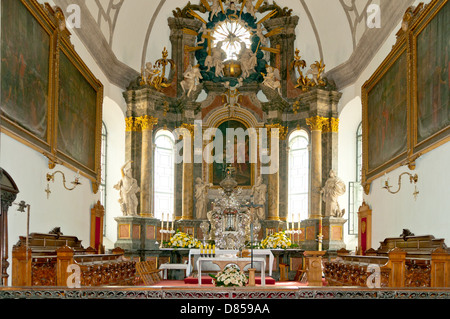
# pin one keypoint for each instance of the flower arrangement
(277, 240)
(183, 240)
(230, 276)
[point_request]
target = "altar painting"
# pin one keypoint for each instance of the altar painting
(235, 154)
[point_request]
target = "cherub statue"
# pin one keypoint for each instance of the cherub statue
(248, 60)
(128, 188)
(215, 8)
(250, 7)
(316, 70)
(272, 79)
(191, 79)
(259, 33)
(216, 59)
(149, 73)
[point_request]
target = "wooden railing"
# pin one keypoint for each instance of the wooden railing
(51, 269)
(396, 270)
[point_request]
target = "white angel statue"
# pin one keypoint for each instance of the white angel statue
(272, 79)
(248, 60)
(191, 79)
(216, 59)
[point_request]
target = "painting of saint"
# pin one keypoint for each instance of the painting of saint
(387, 115)
(433, 82)
(77, 114)
(236, 152)
(25, 56)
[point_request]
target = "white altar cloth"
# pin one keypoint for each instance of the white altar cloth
(220, 252)
(241, 262)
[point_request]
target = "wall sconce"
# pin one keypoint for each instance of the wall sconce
(412, 179)
(51, 177)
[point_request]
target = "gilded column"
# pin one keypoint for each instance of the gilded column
(146, 124)
(187, 208)
(329, 147)
(275, 133)
(316, 124)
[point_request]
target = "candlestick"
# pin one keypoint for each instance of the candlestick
(162, 229)
(320, 225)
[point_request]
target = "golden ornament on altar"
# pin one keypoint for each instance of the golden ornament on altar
(232, 69)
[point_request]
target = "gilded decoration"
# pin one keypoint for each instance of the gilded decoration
(316, 123)
(317, 69)
(332, 125)
(141, 123)
(282, 130)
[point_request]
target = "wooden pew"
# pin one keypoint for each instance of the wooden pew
(48, 256)
(418, 261)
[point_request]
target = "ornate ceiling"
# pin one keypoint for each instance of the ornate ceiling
(124, 34)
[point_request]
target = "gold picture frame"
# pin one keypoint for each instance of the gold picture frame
(43, 43)
(407, 48)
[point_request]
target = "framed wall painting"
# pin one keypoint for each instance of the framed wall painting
(414, 83)
(235, 153)
(50, 101)
(385, 115)
(431, 81)
(27, 45)
(78, 114)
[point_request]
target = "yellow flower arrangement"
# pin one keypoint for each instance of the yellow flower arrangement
(277, 240)
(183, 240)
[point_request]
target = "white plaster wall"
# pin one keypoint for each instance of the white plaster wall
(349, 119)
(69, 210)
(115, 124)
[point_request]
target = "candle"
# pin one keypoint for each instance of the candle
(173, 220)
(167, 222)
(320, 225)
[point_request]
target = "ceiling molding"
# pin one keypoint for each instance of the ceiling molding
(348, 72)
(117, 72)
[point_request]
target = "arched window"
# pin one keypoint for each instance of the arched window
(164, 174)
(358, 152)
(298, 176)
(355, 194)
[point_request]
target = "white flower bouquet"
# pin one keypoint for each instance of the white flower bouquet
(277, 240)
(230, 276)
(183, 240)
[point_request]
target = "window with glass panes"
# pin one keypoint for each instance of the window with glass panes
(298, 176)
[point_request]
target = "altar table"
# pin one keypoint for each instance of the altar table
(240, 262)
(219, 252)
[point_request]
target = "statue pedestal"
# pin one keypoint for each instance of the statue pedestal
(333, 233)
(135, 233)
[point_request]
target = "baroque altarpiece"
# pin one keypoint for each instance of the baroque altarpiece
(233, 64)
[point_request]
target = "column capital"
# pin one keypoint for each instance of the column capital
(282, 130)
(146, 123)
(331, 125)
(316, 123)
(189, 127)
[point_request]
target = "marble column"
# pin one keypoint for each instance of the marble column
(276, 133)
(316, 124)
(146, 123)
(187, 208)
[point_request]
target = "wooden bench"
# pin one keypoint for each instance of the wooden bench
(44, 262)
(413, 261)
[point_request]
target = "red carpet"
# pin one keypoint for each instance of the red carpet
(208, 280)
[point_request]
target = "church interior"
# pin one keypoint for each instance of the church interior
(271, 146)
